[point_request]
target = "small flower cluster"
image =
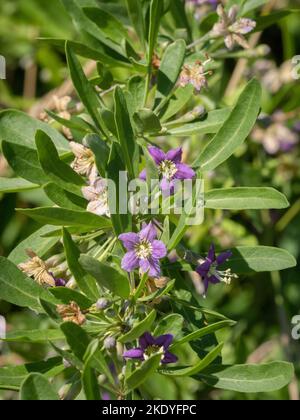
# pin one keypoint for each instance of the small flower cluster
(195, 74)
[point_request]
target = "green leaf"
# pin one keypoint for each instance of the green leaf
(34, 336)
(146, 121)
(106, 276)
(18, 128)
(67, 295)
(17, 288)
(94, 356)
(83, 87)
(12, 185)
(135, 12)
(136, 91)
(247, 259)
(85, 282)
(64, 198)
(139, 328)
(61, 173)
(156, 13)
(37, 388)
(158, 293)
(146, 369)
(198, 367)
(111, 27)
(170, 68)
(76, 337)
(195, 335)
(209, 124)
(36, 242)
(170, 324)
(65, 217)
(25, 162)
(100, 150)
(182, 225)
(263, 22)
(234, 130)
(13, 376)
(95, 37)
(245, 198)
(90, 384)
(266, 377)
(121, 219)
(125, 133)
(177, 101)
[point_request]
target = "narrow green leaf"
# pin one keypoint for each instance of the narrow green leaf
(25, 162)
(170, 324)
(177, 101)
(100, 150)
(156, 13)
(247, 259)
(146, 121)
(34, 336)
(170, 68)
(266, 377)
(18, 128)
(198, 367)
(65, 217)
(12, 185)
(37, 388)
(58, 171)
(106, 276)
(67, 295)
(83, 87)
(245, 198)
(203, 331)
(85, 282)
(208, 124)
(39, 244)
(139, 328)
(234, 130)
(17, 288)
(146, 369)
(135, 12)
(64, 198)
(76, 337)
(125, 133)
(13, 376)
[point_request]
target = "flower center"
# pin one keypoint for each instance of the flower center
(143, 249)
(223, 276)
(167, 169)
(150, 350)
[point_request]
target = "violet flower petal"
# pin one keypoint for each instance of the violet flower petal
(175, 155)
(211, 254)
(143, 175)
(129, 240)
(130, 261)
(224, 257)
(184, 171)
(148, 232)
(146, 340)
(164, 341)
(169, 358)
(136, 353)
(159, 249)
(157, 154)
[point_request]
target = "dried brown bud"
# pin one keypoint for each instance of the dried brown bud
(71, 313)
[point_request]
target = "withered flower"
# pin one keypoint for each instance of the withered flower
(84, 162)
(232, 28)
(37, 268)
(71, 313)
(195, 75)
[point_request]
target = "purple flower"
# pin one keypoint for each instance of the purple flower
(59, 282)
(170, 168)
(209, 269)
(149, 345)
(144, 250)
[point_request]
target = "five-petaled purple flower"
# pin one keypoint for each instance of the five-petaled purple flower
(149, 345)
(209, 269)
(170, 168)
(144, 250)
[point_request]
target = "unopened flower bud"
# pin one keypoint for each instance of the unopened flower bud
(110, 343)
(102, 304)
(66, 363)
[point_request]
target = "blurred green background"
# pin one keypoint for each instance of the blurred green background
(263, 305)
